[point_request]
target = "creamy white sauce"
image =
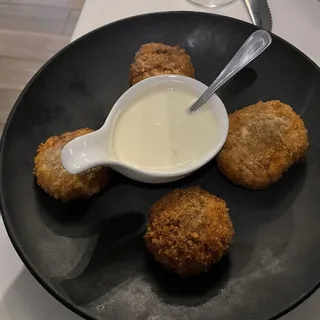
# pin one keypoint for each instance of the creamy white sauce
(158, 132)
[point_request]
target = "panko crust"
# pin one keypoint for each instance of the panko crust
(56, 181)
(188, 231)
(154, 59)
(263, 142)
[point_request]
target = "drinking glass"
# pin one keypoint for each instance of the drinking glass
(210, 3)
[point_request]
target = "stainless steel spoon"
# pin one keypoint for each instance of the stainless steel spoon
(251, 49)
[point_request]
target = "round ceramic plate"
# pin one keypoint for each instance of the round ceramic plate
(91, 255)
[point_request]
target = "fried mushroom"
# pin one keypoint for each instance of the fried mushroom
(154, 59)
(188, 231)
(263, 142)
(56, 181)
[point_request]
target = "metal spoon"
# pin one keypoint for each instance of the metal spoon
(251, 49)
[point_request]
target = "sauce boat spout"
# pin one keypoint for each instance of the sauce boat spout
(86, 152)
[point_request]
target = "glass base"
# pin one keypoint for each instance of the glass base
(210, 3)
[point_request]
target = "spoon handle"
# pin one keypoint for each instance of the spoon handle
(252, 48)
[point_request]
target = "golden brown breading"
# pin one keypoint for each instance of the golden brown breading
(189, 230)
(155, 59)
(56, 181)
(264, 140)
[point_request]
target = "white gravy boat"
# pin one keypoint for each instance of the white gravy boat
(94, 149)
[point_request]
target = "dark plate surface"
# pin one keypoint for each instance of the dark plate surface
(91, 255)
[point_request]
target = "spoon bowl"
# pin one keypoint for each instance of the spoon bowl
(95, 149)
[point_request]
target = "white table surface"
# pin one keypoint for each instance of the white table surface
(21, 297)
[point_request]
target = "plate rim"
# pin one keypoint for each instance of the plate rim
(44, 282)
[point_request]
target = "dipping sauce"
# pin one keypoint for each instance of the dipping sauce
(158, 132)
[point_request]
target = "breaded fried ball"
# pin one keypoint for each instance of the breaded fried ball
(56, 181)
(155, 59)
(188, 231)
(264, 141)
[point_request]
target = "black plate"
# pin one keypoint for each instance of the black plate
(91, 255)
